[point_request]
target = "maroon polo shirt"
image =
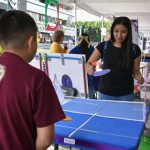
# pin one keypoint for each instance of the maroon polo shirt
(27, 101)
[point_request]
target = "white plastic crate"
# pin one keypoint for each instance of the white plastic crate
(144, 68)
(142, 91)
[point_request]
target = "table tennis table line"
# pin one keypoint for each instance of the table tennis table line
(115, 101)
(83, 102)
(120, 118)
(77, 112)
(98, 115)
(105, 133)
(73, 100)
(81, 125)
(86, 121)
(66, 127)
(76, 129)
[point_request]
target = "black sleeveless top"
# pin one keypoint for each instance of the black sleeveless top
(119, 81)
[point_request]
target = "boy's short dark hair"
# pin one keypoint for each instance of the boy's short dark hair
(15, 27)
(2, 10)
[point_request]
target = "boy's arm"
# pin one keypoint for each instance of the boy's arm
(44, 137)
(47, 111)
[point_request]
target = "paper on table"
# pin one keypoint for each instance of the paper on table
(58, 90)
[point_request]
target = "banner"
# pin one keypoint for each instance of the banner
(47, 26)
(12, 4)
(134, 24)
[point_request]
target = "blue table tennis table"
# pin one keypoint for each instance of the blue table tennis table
(101, 125)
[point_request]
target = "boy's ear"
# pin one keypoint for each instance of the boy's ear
(30, 41)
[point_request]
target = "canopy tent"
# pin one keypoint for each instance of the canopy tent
(134, 9)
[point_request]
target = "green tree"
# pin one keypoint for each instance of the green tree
(93, 28)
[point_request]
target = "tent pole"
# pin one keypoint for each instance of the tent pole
(102, 26)
(75, 6)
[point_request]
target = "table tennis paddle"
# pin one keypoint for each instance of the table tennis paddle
(101, 72)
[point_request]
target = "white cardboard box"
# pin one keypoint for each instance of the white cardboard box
(144, 91)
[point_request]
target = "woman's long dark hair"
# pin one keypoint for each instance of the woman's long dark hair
(84, 45)
(127, 43)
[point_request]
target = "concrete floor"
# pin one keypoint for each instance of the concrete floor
(60, 148)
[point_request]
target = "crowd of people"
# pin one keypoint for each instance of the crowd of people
(121, 56)
(28, 99)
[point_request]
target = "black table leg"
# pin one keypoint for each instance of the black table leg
(56, 147)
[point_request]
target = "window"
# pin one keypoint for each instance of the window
(45, 37)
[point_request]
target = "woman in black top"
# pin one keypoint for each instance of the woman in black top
(122, 57)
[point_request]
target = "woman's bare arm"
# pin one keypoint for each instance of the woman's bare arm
(136, 70)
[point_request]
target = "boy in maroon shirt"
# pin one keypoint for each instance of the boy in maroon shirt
(29, 106)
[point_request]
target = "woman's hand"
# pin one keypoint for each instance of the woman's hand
(89, 66)
(65, 46)
(139, 77)
(90, 69)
